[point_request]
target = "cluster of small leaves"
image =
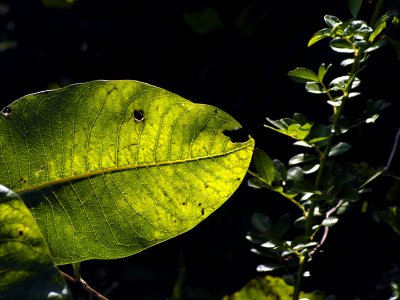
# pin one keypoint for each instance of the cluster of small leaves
(321, 187)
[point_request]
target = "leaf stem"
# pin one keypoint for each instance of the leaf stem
(300, 272)
(84, 286)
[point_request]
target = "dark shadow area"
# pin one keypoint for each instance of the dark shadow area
(234, 55)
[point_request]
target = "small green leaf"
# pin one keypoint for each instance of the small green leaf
(269, 267)
(315, 88)
(319, 35)
(322, 71)
(295, 174)
(271, 288)
(341, 45)
(357, 27)
(329, 222)
(310, 168)
(269, 245)
(354, 6)
(261, 222)
(303, 246)
(378, 27)
(341, 82)
(26, 267)
(332, 21)
(303, 75)
(339, 148)
(264, 165)
(302, 158)
(346, 62)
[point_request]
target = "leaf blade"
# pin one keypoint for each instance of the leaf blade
(118, 166)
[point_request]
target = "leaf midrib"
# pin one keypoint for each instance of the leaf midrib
(128, 167)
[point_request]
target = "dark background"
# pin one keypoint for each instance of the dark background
(234, 55)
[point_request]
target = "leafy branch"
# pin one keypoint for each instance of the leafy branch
(317, 183)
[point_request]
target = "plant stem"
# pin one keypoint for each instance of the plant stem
(323, 160)
(302, 265)
(84, 286)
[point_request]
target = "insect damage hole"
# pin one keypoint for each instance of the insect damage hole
(238, 135)
(138, 115)
(6, 111)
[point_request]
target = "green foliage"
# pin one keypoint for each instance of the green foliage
(318, 180)
(270, 288)
(26, 267)
(110, 168)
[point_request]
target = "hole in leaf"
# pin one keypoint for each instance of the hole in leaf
(202, 211)
(237, 135)
(20, 232)
(6, 111)
(138, 115)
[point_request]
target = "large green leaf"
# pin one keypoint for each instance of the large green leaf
(26, 269)
(110, 168)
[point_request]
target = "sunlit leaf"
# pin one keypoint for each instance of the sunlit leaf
(269, 267)
(357, 27)
(270, 288)
(114, 167)
(329, 222)
(319, 35)
(26, 268)
(301, 158)
(315, 88)
(339, 148)
(303, 75)
(341, 45)
(379, 26)
(341, 82)
(346, 62)
(332, 21)
(322, 71)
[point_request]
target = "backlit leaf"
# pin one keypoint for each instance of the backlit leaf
(269, 287)
(332, 21)
(319, 35)
(303, 75)
(341, 45)
(26, 268)
(110, 168)
(264, 165)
